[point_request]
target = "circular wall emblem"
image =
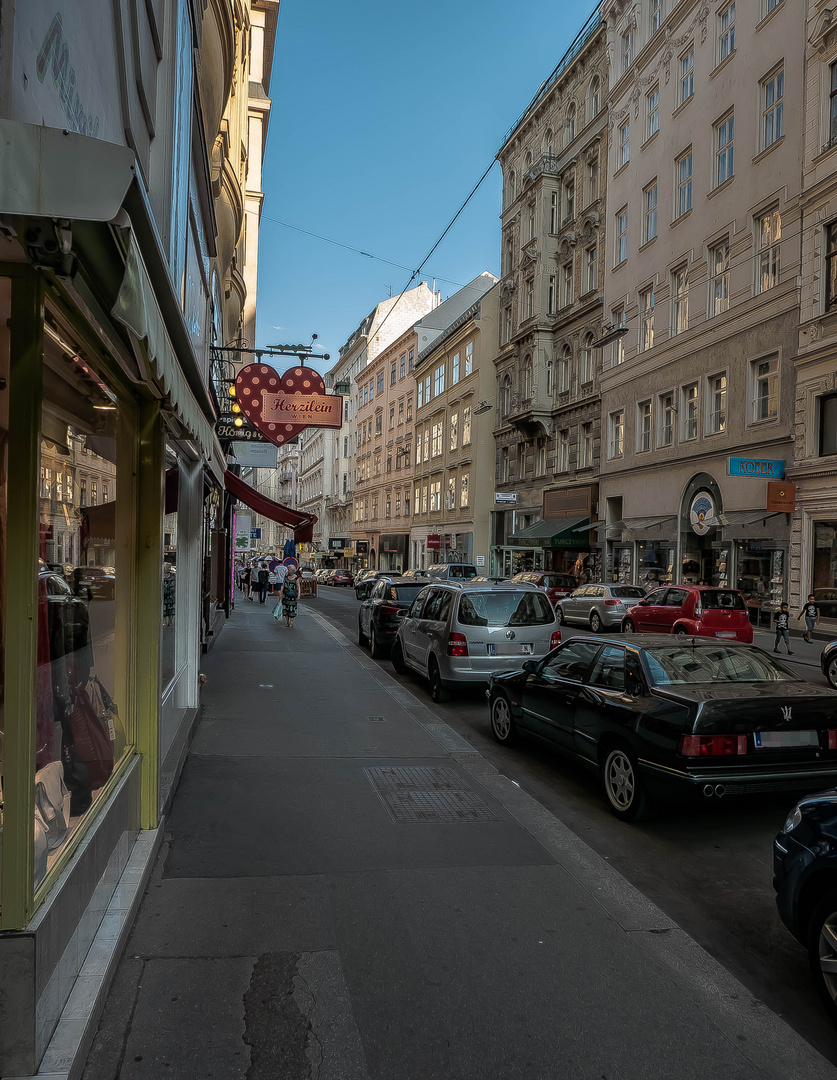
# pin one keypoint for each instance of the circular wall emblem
(700, 511)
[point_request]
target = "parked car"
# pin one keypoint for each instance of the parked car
(598, 606)
(99, 580)
(481, 579)
(413, 574)
(672, 720)
(341, 577)
(451, 571)
(691, 611)
(69, 619)
(805, 880)
(366, 579)
(557, 585)
(378, 615)
(456, 634)
(828, 663)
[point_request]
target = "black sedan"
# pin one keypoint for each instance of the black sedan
(671, 720)
(805, 880)
(378, 615)
(828, 663)
(367, 579)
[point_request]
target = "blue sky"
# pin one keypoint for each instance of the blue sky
(384, 117)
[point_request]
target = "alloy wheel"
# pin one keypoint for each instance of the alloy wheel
(831, 671)
(502, 723)
(620, 781)
(595, 622)
(628, 627)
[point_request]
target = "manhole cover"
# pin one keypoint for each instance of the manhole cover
(427, 793)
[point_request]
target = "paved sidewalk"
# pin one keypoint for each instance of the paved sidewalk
(348, 891)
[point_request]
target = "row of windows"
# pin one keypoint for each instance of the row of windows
(370, 428)
(399, 369)
(565, 374)
(432, 443)
(60, 487)
(438, 493)
(562, 455)
(366, 509)
(461, 366)
(678, 413)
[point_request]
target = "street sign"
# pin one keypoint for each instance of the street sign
(255, 534)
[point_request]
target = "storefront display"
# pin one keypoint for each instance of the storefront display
(655, 563)
(623, 564)
(824, 570)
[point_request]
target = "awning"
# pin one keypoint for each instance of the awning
(640, 524)
(302, 524)
(740, 517)
(554, 532)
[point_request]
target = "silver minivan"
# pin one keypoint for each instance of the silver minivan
(598, 606)
(452, 571)
(457, 634)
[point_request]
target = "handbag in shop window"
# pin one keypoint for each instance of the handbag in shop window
(91, 741)
(103, 705)
(52, 804)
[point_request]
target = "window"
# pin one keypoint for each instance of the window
(512, 185)
(392, 375)
(389, 505)
(646, 326)
(391, 417)
(567, 285)
(656, 15)
(550, 295)
(417, 499)
(435, 495)
(402, 366)
(548, 144)
(689, 412)
(454, 430)
(624, 144)
(380, 384)
(398, 504)
(622, 235)
(716, 421)
(400, 412)
(724, 147)
(765, 388)
(504, 465)
(643, 426)
(772, 108)
(427, 444)
(592, 180)
(436, 447)
(719, 264)
(595, 96)
(407, 502)
(507, 323)
(521, 461)
(374, 506)
(832, 106)
(409, 409)
(650, 211)
(616, 434)
(679, 300)
(627, 50)
(828, 424)
(553, 212)
(438, 381)
(562, 451)
(585, 360)
(769, 5)
(684, 183)
(530, 298)
(665, 419)
(591, 270)
(726, 32)
(526, 378)
(424, 498)
(389, 462)
(569, 200)
(540, 457)
(652, 112)
(687, 75)
(450, 495)
(83, 493)
(585, 446)
(564, 369)
(411, 359)
(505, 395)
(454, 375)
(94, 489)
(366, 395)
(617, 354)
(549, 386)
(466, 425)
(531, 221)
(569, 130)
(770, 238)
(464, 483)
(379, 423)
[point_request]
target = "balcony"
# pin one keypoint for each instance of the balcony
(529, 415)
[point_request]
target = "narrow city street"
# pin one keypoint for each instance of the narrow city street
(301, 921)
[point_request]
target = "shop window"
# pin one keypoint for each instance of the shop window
(828, 424)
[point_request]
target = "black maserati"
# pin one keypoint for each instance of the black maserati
(666, 719)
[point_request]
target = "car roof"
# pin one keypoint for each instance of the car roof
(647, 641)
(484, 586)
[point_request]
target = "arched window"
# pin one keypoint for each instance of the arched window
(595, 96)
(505, 395)
(527, 161)
(569, 130)
(548, 146)
(564, 369)
(585, 365)
(526, 378)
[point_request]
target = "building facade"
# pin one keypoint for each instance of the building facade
(547, 417)
(121, 216)
(702, 268)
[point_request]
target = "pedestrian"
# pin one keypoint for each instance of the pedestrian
(168, 594)
(289, 594)
(245, 580)
(782, 620)
(273, 581)
(263, 577)
(811, 612)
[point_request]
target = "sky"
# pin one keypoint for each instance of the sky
(385, 115)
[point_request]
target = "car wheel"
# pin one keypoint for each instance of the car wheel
(502, 722)
(681, 632)
(622, 784)
(628, 627)
(361, 637)
(559, 615)
(822, 950)
(397, 657)
(375, 647)
(595, 622)
(438, 691)
(831, 671)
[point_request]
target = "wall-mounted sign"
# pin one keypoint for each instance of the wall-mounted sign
(760, 467)
(362, 547)
(255, 455)
(280, 407)
(434, 542)
(781, 497)
(255, 534)
(348, 552)
(701, 509)
(226, 429)
(336, 543)
(505, 496)
(242, 532)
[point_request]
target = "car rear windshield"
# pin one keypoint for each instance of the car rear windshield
(405, 592)
(678, 665)
(721, 598)
(506, 608)
(627, 592)
(461, 572)
(558, 581)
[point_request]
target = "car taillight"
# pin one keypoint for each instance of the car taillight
(457, 645)
(389, 609)
(832, 739)
(555, 639)
(611, 603)
(712, 745)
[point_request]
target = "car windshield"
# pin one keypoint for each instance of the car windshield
(627, 592)
(720, 598)
(505, 608)
(558, 581)
(404, 592)
(460, 572)
(679, 665)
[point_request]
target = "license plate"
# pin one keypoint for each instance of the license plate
(726, 633)
(777, 740)
(524, 649)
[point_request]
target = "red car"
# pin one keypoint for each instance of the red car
(342, 577)
(557, 586)
(691, 611)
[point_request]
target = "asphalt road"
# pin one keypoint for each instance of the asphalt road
(708, 867)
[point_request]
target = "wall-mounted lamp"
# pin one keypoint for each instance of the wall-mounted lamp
(609, 334)
(483, 407)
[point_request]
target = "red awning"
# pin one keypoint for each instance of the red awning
(302, 524)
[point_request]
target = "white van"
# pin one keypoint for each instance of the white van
(452, 571)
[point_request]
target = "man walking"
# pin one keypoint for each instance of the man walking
(810, 612)
(263, 578)
(782, 620)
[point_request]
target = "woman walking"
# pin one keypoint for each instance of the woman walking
(289, 594)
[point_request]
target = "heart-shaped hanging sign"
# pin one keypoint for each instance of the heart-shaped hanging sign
(282, 406)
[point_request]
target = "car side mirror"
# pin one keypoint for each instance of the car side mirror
(531, 667)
